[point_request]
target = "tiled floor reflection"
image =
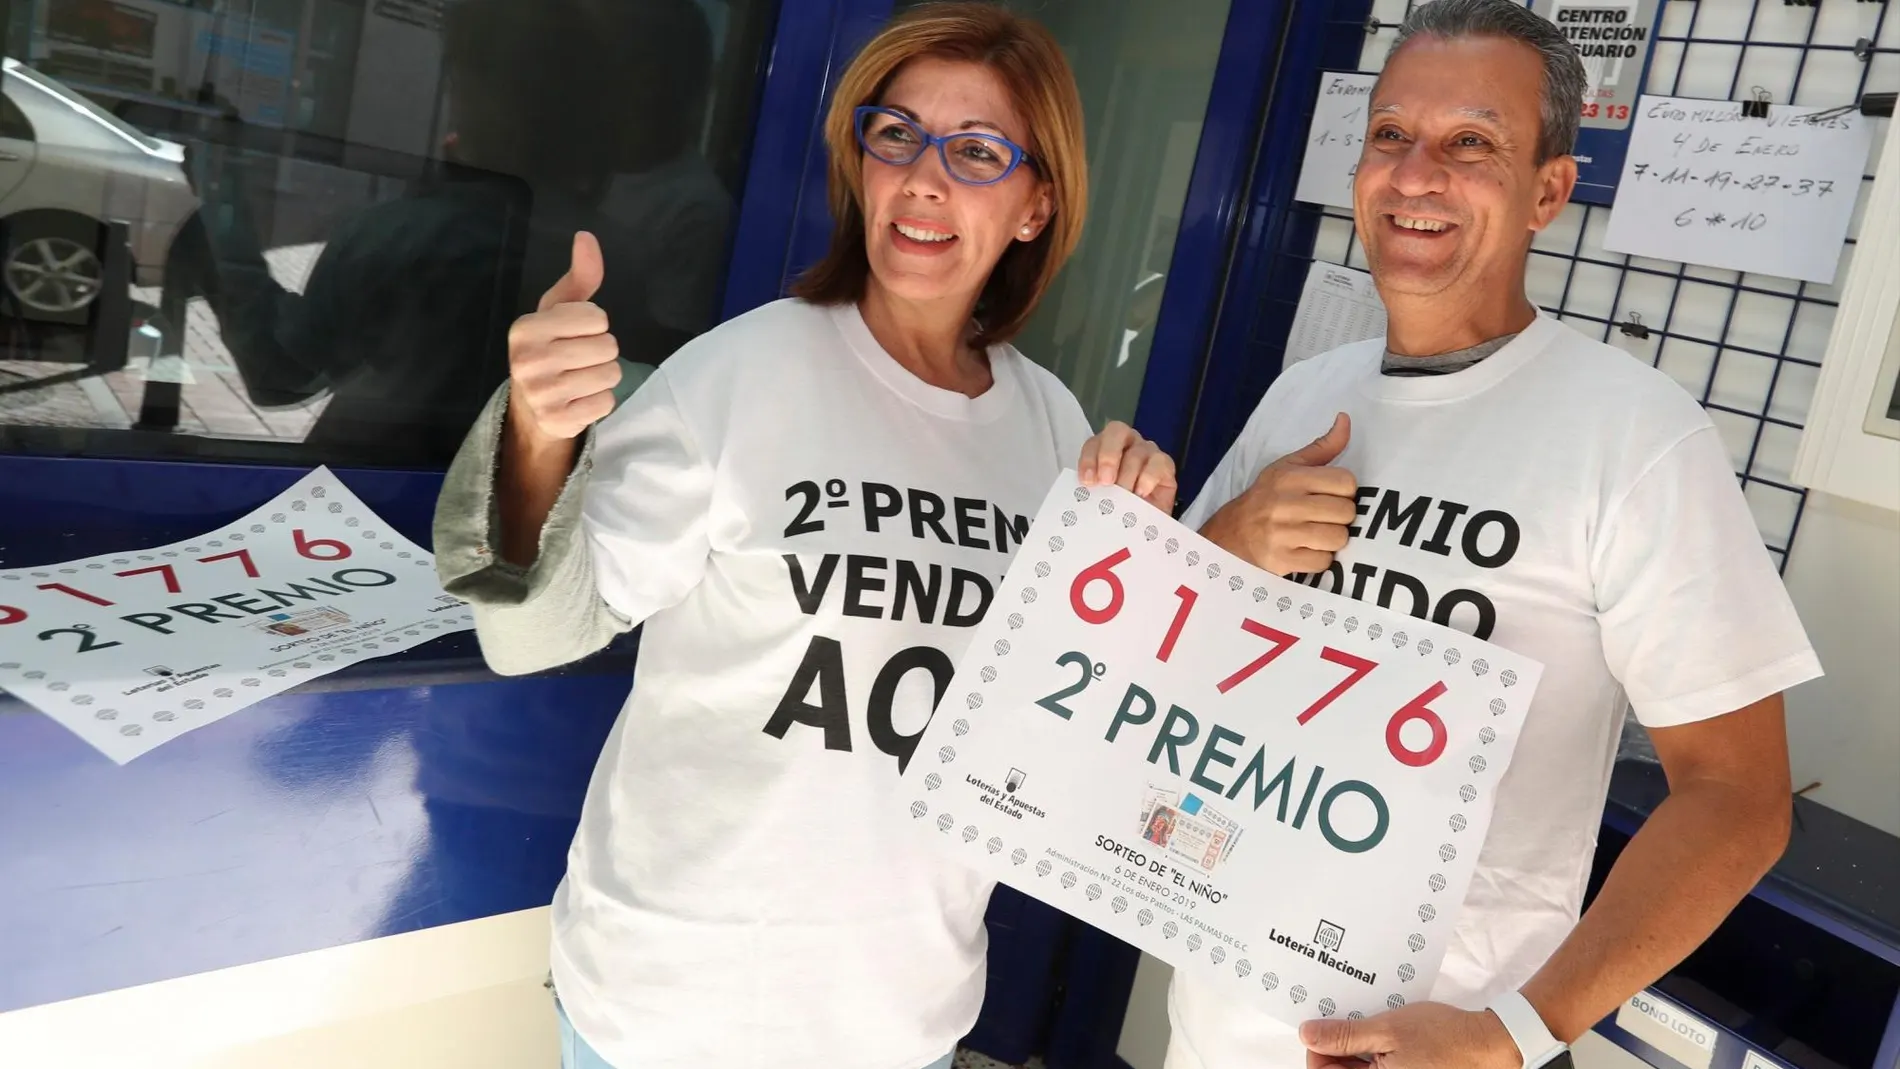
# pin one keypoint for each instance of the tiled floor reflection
(212, 401)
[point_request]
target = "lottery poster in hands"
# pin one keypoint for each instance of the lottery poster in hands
(1278, 788)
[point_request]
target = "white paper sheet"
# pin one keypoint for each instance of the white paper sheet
(1281, 789)
(1335, 138)
(1338, 305)
(1705, 184)
(132, 650)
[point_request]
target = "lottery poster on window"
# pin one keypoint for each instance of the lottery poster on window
(1281, 789)
(132, 650)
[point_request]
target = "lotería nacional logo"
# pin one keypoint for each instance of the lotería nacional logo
(1330, 936)
(1325, 946)
(1015, 780)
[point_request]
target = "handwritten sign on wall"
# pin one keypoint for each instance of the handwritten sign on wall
(1705, 184)
(1337, 134)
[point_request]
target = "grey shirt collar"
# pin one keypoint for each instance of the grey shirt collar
(1441, 363)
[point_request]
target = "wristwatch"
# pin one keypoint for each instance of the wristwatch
(1534, 1041)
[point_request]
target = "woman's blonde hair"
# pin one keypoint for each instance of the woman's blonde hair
(1036, 74)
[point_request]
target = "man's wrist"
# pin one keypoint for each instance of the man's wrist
(1536, 1045)
(1219, 529)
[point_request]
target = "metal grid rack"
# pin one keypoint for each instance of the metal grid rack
(1748, 345)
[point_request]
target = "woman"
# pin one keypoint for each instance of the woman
(808, 507)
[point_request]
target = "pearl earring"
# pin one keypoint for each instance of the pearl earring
(1025, 231)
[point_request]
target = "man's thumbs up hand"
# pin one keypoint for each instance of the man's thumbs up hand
(1324, 449)
(1295, 515)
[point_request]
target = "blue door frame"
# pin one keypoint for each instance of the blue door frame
(1260, 284)
(264, 814)
(783, 219)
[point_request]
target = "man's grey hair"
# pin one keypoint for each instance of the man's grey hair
(1563, 71)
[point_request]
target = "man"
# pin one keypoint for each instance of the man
(1492, 469)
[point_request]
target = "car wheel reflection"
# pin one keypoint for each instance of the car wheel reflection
(53, 274)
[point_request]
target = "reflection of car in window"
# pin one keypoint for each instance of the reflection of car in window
(68, 166)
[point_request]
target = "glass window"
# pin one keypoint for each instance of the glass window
(297, 230)
(1144, 68)
(1883, 416)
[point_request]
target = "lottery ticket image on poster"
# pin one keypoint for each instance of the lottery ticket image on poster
(1220, 829)
(1160, 826)
(1196, 842)
(1188, 828)
(1156, 796)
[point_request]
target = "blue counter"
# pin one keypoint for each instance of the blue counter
(399, 794)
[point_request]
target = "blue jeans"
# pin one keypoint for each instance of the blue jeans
(576, 1054)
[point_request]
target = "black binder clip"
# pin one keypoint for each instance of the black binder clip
(1873, 105)
(1758, 107)
(1634, 328)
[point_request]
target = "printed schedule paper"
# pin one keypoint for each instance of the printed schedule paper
(1334, 140)
(1705, 184)
(1279, 788)
(131, 650)
(1338, 305)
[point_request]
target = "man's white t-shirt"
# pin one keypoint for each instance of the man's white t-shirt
(1573, 505)
(808, 532)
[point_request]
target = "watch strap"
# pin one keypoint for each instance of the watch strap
(1533, 1038)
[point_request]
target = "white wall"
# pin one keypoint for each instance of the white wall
(460, 996)
(1844, 729)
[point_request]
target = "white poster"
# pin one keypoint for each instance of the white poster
(1705, 184)
(1335, 139)
(131, 650)
(1338, 306)
(1281, 789)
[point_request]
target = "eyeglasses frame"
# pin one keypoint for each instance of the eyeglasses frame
(1018, 155)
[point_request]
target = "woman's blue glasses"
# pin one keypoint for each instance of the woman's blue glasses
(971, 158)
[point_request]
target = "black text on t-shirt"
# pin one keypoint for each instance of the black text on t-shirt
(875, 587)
(1484, 538)
(970, 522)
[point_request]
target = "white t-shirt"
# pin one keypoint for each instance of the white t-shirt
(809, 533)
(1571, 504)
